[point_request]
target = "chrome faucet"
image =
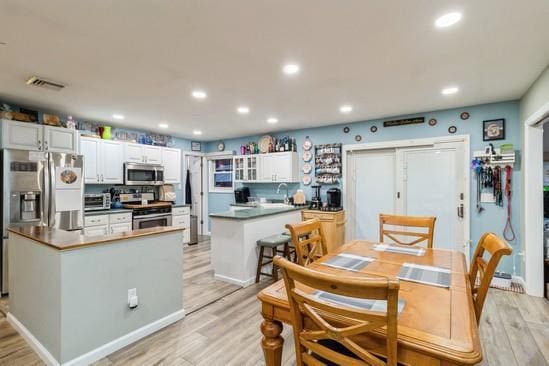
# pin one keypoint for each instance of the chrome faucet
(286, 198)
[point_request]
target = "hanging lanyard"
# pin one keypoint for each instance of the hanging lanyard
(508, 232)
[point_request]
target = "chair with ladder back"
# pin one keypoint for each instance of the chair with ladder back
(308, 240)
(483, 270)
(325, 331)
(426, 222)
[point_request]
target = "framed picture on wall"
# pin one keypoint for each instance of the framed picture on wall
(493, 129)
(196, 146)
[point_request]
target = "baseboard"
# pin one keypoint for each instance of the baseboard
(42, 352)
(520, 280)
(234, 281)
(100, 352)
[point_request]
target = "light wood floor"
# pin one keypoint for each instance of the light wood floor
(222, 328)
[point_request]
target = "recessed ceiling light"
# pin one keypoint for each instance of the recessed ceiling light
(3, 44)
(448, 19)
(345, 109)
(243, 110)
(117, 116)
(163, 125)
(272, 120)
(197, 132)
(199, 94)
(291, 69)
(450, 90)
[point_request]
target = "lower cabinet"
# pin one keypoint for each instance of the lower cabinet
(108, 224)
(333, 226)
(181, 217)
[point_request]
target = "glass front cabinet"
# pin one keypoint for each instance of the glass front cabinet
(246, 168)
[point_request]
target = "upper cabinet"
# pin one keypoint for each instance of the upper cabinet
(171, 159)
(32, 136)
(137, 153)
(103, 162)
(264, 168)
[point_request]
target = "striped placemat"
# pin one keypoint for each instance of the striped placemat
(349, 262)
(417, 251)
(357, 303)
(428, 275)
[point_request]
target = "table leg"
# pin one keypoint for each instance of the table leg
(272, 342)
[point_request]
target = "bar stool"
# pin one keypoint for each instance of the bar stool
(272, 242)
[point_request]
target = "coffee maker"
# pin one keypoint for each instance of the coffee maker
(316, 202)
(334, 199)
(241, 194)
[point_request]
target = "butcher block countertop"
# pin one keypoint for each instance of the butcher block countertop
(70, 240)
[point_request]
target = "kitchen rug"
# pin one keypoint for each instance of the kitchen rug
(428, 275)
(349, 262)
(398, 249)
(357, 303)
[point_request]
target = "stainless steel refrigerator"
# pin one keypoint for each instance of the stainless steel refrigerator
(40, 189)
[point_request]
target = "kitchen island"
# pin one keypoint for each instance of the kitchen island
(70, 293)
(234, 234)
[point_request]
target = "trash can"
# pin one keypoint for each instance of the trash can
(194, 230)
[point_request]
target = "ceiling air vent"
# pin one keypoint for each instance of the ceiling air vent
(43, 83)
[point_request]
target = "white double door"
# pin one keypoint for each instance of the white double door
(415, 181)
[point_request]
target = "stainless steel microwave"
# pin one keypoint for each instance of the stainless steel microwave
(143, 174)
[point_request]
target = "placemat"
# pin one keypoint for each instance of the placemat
(398, 249)
(357, 303)
(349, 262)
(429, 275)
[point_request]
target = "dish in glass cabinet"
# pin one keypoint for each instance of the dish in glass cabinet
(306, 179)
(307, 168)
(307, 156)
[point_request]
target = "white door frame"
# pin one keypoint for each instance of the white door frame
(532, 201)
(431, 141)
(204, 187)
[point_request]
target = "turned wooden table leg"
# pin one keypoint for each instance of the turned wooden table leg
(272, 342)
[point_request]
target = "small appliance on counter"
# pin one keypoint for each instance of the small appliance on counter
(333, 199)
(241, 194)
(316, 201)
(97, 201)
(166, 193)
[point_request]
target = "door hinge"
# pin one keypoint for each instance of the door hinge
(398, 194)
(201, 193)
(461, 196)
(201, 222)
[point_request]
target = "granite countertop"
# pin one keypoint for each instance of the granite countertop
(253, 212)
(69, 240)
(106, 212)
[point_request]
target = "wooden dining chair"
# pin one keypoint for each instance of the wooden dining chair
(484, 269)
(427, 222)
(318, 340)
(308, 240)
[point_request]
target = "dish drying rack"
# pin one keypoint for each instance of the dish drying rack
(497, 159)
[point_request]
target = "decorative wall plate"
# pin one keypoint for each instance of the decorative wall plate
(464, 115)
(346, 129)
(373, 129)
(264, 143)
(307, 156)
(306, 179)
(307, 144)
(307, 168)
(432, 122)
(452, 129)
(358, 138)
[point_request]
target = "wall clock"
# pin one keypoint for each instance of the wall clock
(358, 138)
(452, 129)
(432, 122)
(221, 146)
(464, 115)
(346, 129)
(373, 129)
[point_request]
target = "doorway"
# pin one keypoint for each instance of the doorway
(193, 180)
(428, 177)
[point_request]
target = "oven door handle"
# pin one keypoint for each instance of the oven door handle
(151, 216)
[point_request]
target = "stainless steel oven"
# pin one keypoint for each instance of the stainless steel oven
(144, 218)
(143, 174)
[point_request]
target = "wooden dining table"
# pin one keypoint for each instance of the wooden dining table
(437, 325)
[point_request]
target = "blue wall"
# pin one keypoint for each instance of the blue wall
(492, 219)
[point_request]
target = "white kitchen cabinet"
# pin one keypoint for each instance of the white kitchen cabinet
(58, 139)
(246, 168)
(181, 217)
(120, 228)
(103, 161)
(171, 159)
(138, 153)
(32, 136)
(279, 167)
(99, 230)
(111, 167)
(239, 167)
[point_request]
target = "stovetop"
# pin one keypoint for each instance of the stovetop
(148, 205)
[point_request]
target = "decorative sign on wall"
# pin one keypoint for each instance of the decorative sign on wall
(404, 122)
(493, 129)
(196, 146)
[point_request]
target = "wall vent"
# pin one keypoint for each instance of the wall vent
(43, 83)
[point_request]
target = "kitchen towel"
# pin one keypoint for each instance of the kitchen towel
(349, 262)
(188, 197)
(417, 251)
(429, 275)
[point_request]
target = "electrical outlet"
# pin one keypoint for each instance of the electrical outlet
(131, 293)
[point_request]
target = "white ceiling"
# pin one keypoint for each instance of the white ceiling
(142, 58)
